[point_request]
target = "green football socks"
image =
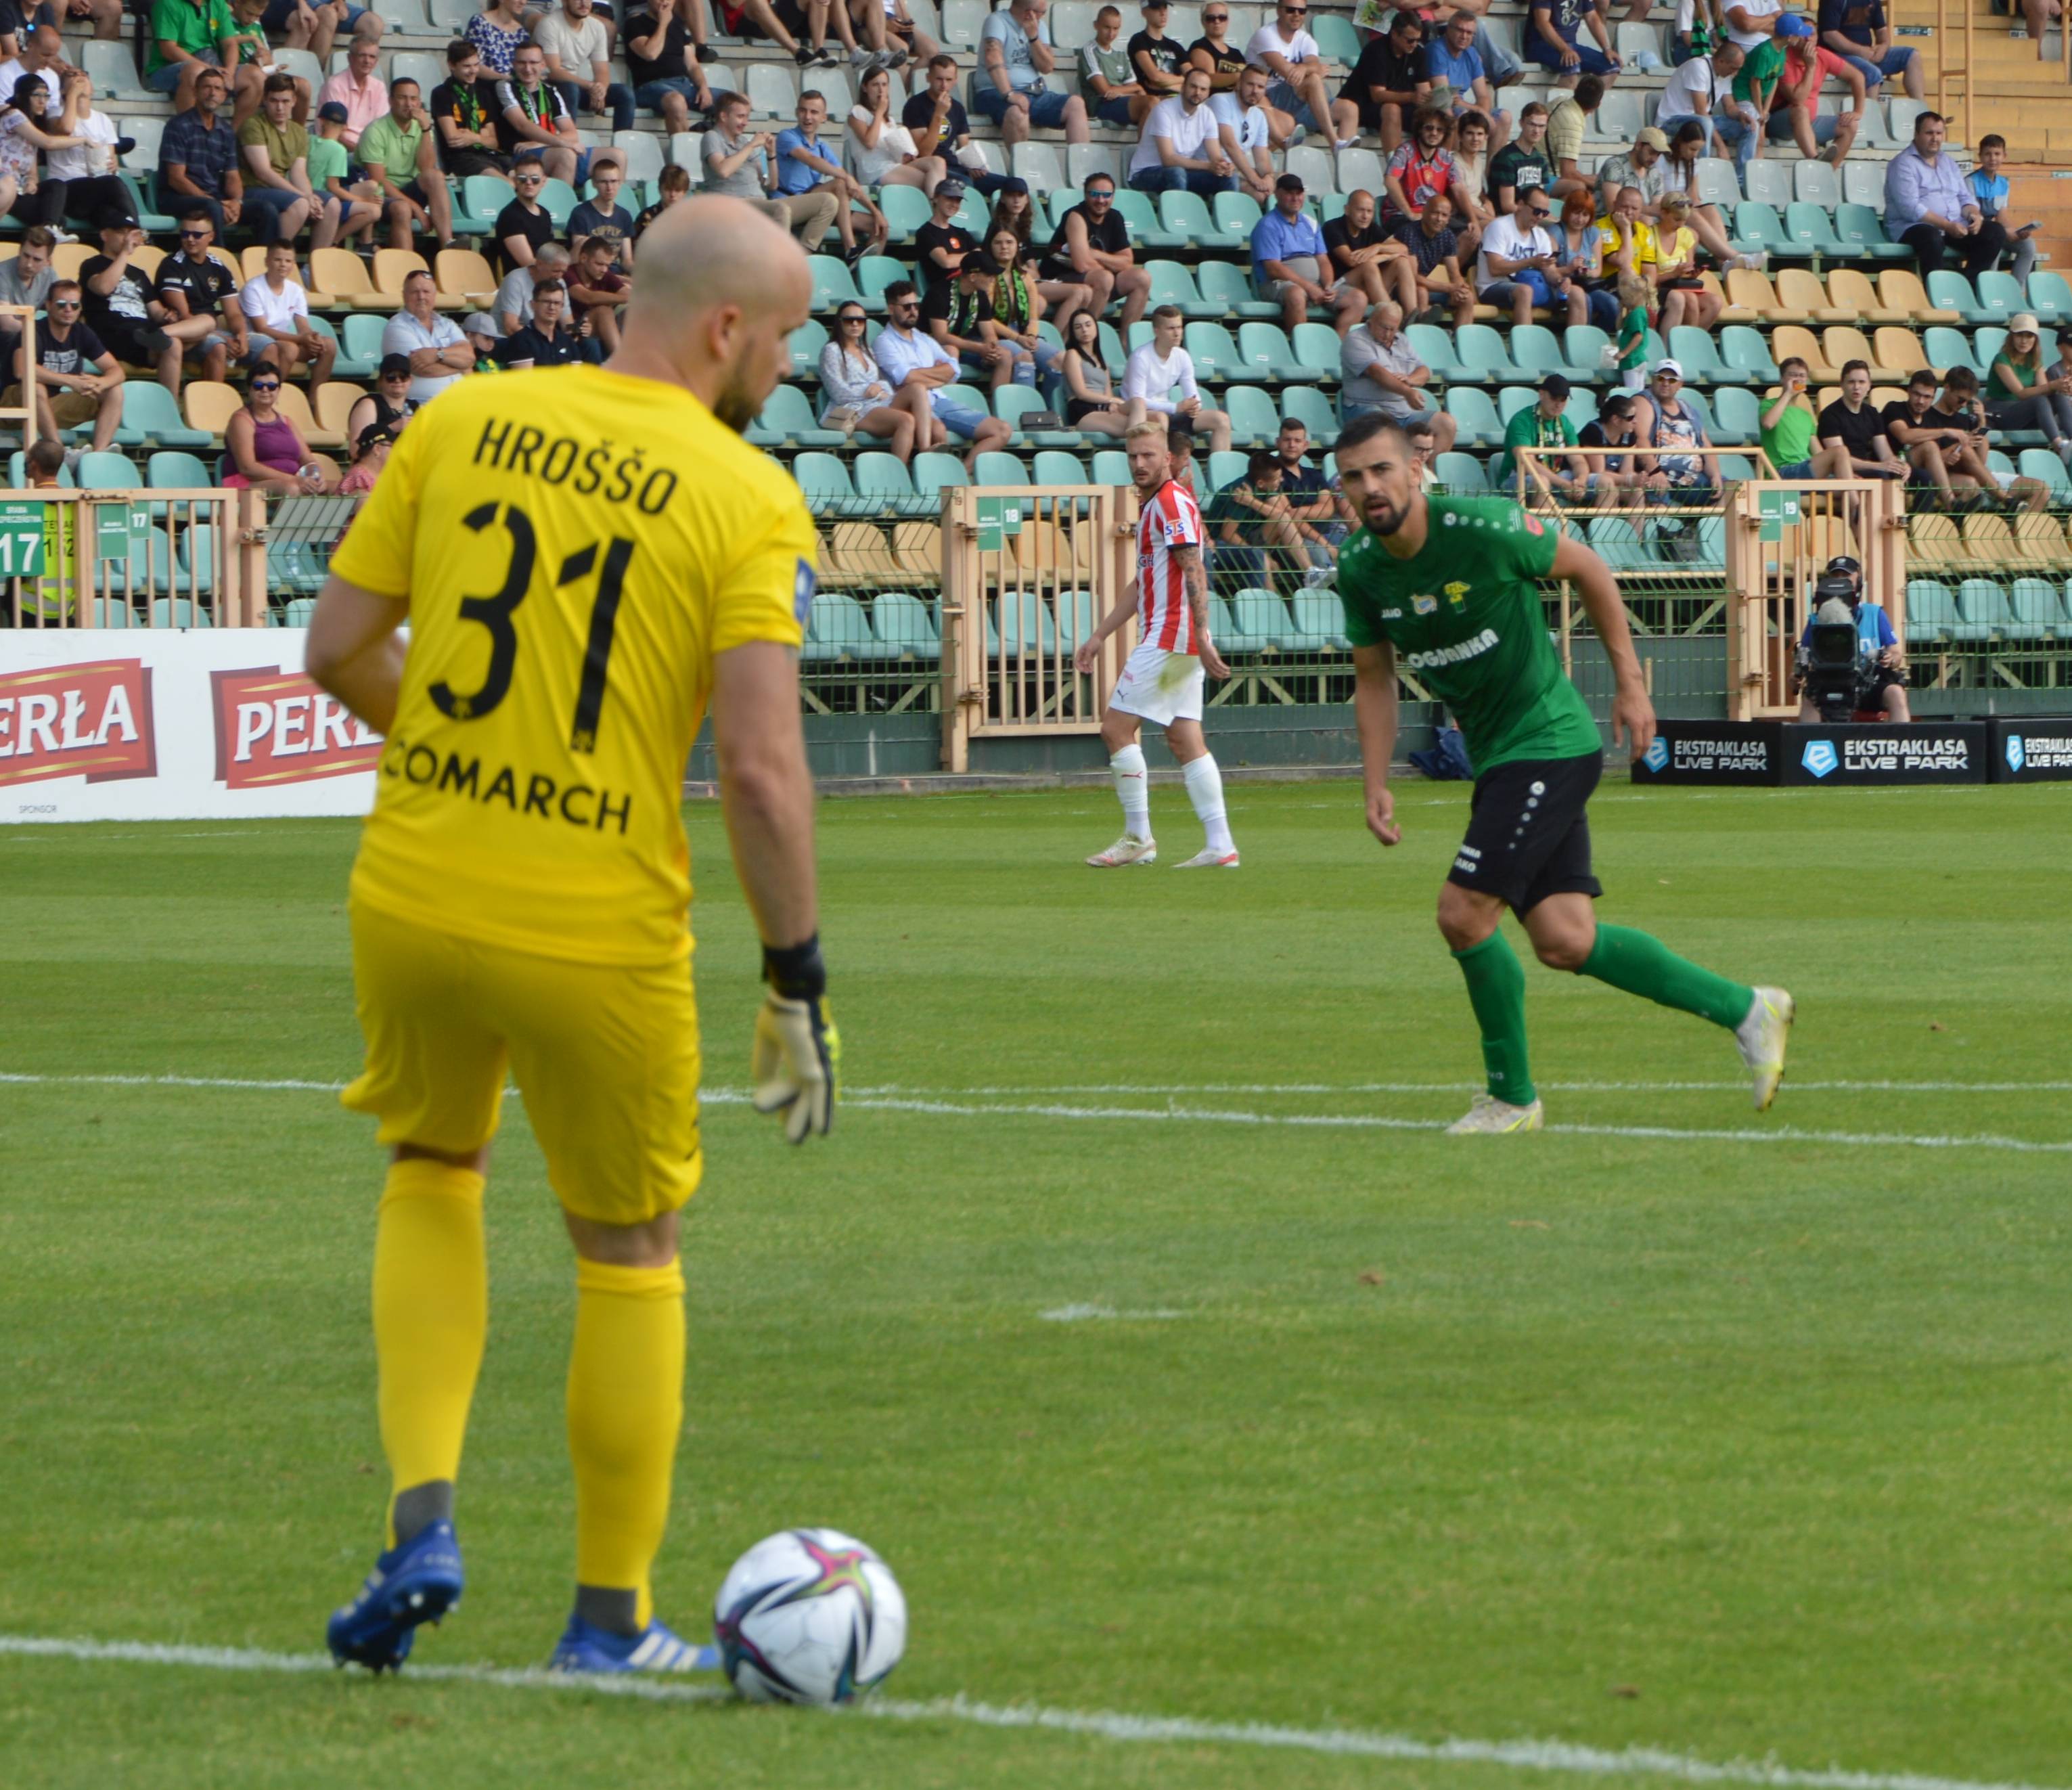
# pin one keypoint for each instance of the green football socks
(1496, 989)
(1640, 964)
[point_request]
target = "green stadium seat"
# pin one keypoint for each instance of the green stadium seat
(1767, 183)
(1320, 617)
(1054, 466)
(1336, 39)
(2041, 464)
(825, 482)
(935, 472)
(837, 631)
(107, 472)
(1012, 403)
(1226, 465)
(1266, 352)
(1811, 230)
(1185, 215)
(1537, 350)
(1982, 611)
(1582, 406)
(1946, 348)
(173, 471)
(1062, 201)
(1613, 539)
(1435, 348)
(1950, 290)
(1862, 234)
(1738, 417)
(1236, 216)
(1316, 352)
(1234, 641)
(1229, 284)
(151, 414)
(904, 624)
(1307, 406)
(558, 198)
(997, 468)
(362, 337)
(1931, 611)
(805, 343)
(177, 611)
(833, 284)
(2050, 297)
(1736, 468)
(1485, 358)
(154, 220)
(1254, 420)
(1112, 351)
(298, 612)
(1110, 466)
(906, 210)
(882, 480)
(1742, 348)
(482, 197)
(1463, 475)
(1583, 349)
(1215, 355)
(1699, 355)
(1136, 210)
(1511, 399)
(195, 564)
(788, 418)
(874, 273)
(1476, 416)
(1172, 284)
(1076, 617)
(1024, 621)
(1262, 618)
(1758, 229)
(2000, 295)
(2033, 611)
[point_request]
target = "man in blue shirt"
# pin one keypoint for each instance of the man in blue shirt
(1881, 664)
(1553, 31)
(812, 182)
(1290, 263)
(1858, 31)
(1009, 88)
(1452, 58)
(1930, 206)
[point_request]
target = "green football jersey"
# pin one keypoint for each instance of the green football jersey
(1464, 615)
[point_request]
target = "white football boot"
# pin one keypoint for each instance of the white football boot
(1763, 1037)
(1210, 860)
(1491, 1115)
(1125, 851)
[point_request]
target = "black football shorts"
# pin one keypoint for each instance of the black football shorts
(1528, 836)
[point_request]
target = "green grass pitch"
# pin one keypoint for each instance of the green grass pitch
(1635, 1434)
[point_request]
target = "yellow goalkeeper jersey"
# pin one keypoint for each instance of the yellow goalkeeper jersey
(575, 546)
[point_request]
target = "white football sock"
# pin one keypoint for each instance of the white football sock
(1132, 788)
(1205, 790)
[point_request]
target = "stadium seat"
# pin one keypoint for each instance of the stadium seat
(1361, 170)
(1319, 172)
(1861, 233)
(1737, 417)
(1307, 406)
(1787, 340)
(1538, 352)
(1768, 183)
(1083, 160)
(1024, 624)
(1698, 355)
(1851, 288)
(294, 405)
(1435, 348)
(825, 482)
(2044, 466)
(787, 417)
(344, 276)
(1840, 345)
(1987, 540)
(1225, 466)
(1265, 350)
(1184, 218)
(1752, 291)
(773, 90)
(174, 611)
(2039, 610)
(1815, 183)
(392, 266)
(465, 275)
(1110, 466)
(1229, 285)
(334, 404)
(1012, 403)
(1511, 399)
(1336, 39)
(935, 472)
(210, 405)
(173, 470)
(874, 273)
(1173, 284)
(997, 468)
(114, 71)
(1900, 289)
(1055, 466)
(1584, 348)
(1254, 420)
(1319, 618)
(1982, 611)
(2040, 545)
(1716, 186)
(1463, 474)
(1946, 347)
(482, 197)
(1810, 229)
(642, 149)
(1474, 415)
(1236, 215)
(1950, 290)
(1898, 350)
(833, 284)
(838, 630)
(1758, 229)
(2050, 297)
(1262, 621)
(2000, 296)
(905, 625)
(1136, 210)
(1215, 355)
(882, 477)
(804, 345)
(1484, 356)
(18, 474)
(1316, 351)
(1743, 349)
(1036, 163)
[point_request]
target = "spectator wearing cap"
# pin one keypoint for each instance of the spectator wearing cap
(941, 245)
(959, 313)
(1012, 86)
(1091, 260)
(370, 454)
(1158, 61)
(1382, 374)
(482, 336)
(125, 310)
(1667, 430)
(1182, 148)
(1290, 263)
(1518, 265)
(1553, 39)
(1158, 369)
(198, 157)
(1544, 424)
(349, 208)
(1859, 31)
(389, 405)
(1794, 108)
(1640, 167)
(2025, 393)
(549, 339)
(1929, 207)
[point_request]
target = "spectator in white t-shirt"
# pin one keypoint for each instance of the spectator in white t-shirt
(1181, 149)
(1516, 266)
(1702, 89)
(1247, 128)
(276, 310)
(1750, 22)
(1291, 58)
(1158, 369)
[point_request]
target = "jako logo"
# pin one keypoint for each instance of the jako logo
(1658, 753)
(2017, 756)
(1818, 757)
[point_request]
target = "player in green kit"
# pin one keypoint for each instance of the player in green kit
(1451, 585)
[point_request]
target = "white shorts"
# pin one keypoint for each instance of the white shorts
(1159, 685)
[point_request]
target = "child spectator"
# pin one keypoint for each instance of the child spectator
(1634, 294)
(602, 216)
(1989, 187)
(675, 184)
(370, 454)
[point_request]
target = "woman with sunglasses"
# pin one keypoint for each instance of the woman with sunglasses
(1092, 402)
(265, 450)
(854, 391)
(23, 193)
(389, 405)
(879, 149)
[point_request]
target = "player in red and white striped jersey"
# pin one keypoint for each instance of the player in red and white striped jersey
(1163, 680)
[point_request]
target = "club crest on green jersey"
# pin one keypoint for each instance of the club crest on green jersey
(1456, 594)
(1425, 606)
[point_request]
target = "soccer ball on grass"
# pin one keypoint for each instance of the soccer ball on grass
(809, 1616)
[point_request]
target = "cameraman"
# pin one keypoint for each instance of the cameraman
(1835, 678)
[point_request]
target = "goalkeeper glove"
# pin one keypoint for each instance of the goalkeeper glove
(797, 1049)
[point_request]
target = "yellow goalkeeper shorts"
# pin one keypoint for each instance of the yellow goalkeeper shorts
(605, 1055)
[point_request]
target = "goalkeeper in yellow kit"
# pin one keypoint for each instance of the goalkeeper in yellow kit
(584, 557)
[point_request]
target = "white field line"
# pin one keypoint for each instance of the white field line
(1085, 1314)
(1174, 1113)
(1177, 1088)
(1534, 1755)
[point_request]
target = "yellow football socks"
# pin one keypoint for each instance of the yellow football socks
(431, 1316)
(626, 1404)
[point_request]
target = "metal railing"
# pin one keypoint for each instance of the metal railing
(138, 558)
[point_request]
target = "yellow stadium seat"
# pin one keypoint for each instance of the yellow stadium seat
(857, 553)
(335, 400)
(1787, 340)
(252, 260)
(1843, 345)
(917, 549)
(1752, 291)
(2039, 541)
(1931, 542)
(463, 274)
(148, 257)
(1801, 291)
(209, 404)
(1902, 290)
(1988, 540)
(1728, 313)
(392, 266)
(1899, 349)
(67, 258)
(1847, 286)
(295, 407)
(343, 274)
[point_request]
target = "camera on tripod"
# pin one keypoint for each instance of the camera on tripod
(1834, 655)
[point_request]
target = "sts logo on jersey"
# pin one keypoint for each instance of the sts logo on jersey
(804, 585)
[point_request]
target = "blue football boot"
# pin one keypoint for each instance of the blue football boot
(584, 1647)
(416, 1580)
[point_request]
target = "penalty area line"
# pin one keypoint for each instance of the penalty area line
(1566, 1757)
